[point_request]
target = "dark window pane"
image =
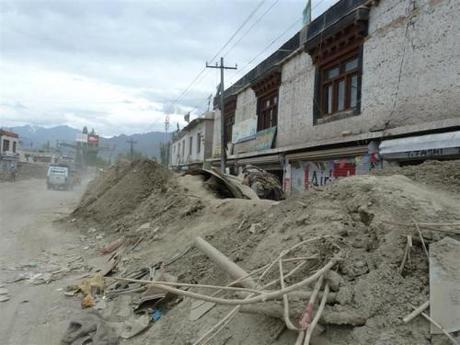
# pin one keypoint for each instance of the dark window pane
(341, 95)
(327, 99)
(354, 91)
(332, 72)
(351, 64)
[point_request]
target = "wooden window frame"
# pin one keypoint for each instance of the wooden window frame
(267, 116)
(343, 75)
(6, 145)
(229, 119)
(198, 142)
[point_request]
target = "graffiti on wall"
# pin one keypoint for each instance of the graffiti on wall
(305, 175)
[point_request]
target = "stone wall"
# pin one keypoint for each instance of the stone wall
(411, 64)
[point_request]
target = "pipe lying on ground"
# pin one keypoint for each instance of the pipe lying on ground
(235, 271)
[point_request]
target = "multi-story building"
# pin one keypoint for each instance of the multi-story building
(9, 145)
(365, 83)
(192, 146)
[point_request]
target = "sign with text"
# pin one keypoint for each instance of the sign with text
(244, 130)
(265, 139)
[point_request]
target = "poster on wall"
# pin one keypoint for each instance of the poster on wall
(265, 139)
(244, 130)
(305, 175)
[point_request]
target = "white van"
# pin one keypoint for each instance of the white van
(58, 177)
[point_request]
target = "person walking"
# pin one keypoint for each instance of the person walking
(13, 172)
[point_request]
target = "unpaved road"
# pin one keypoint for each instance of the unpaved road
(31, 244)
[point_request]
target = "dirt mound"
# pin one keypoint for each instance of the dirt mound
(363, 214)
(365, 218)
(440, 174)
(120, 190)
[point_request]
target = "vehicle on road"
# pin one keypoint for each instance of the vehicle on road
(59, 177)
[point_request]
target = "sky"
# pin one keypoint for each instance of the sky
(121, 66)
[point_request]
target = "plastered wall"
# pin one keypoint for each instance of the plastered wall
(411, 75)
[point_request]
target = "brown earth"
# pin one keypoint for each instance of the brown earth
(365, 218)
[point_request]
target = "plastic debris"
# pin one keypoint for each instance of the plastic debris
(156, 314)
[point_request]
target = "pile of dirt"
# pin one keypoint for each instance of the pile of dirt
(440, 174)
(364, 218)
(119, 190)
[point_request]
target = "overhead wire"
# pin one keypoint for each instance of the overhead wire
(203, 70)
(252, 26)
(271, 44)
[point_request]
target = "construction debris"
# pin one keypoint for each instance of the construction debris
(445, 285)
(364, 235)
(266, 185)
(91, 329)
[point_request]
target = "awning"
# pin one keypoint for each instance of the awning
(439, 145)
(329, 153)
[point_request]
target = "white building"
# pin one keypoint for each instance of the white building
(9, 145)
(192, 146)
(362, 73)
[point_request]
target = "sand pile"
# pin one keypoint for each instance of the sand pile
(119, 190)
(364, 218)
(444, 175)
(373, 296)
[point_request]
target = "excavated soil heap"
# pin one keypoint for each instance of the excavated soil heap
(367, 218)
(119, 190)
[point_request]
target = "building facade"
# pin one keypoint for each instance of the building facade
(192, 146)
(360, 75)
(9, 147)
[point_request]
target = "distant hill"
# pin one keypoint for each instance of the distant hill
(147, 143)
(35, 137)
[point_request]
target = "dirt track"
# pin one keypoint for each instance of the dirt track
(35, 314)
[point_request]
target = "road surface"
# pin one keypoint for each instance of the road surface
(32, 244)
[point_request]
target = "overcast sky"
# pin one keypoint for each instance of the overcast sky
(119, 66)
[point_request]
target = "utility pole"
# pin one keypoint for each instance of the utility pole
(222, 67)
(131, 143)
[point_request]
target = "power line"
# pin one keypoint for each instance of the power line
(272, 42)
(267, 47)
(242, 25)
(248, 18)
(259, 5)
(252, 26)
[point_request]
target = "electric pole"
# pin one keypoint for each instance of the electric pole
(222, 67)
(131, 143)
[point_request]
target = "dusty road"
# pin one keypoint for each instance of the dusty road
(31, 247)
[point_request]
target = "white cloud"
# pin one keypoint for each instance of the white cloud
(117, 65)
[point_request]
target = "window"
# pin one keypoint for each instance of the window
(266, 90)
(337, 53)
(229, 119)
(6, 145)
(183, 148)
(267, 114)
(339, 85)
(190, 145)
(198, 143)
(14, 146)
(178, 149)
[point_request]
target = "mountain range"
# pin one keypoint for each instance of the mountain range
(36, 137)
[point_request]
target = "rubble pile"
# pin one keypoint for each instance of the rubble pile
(365, 225)
(118, 191)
